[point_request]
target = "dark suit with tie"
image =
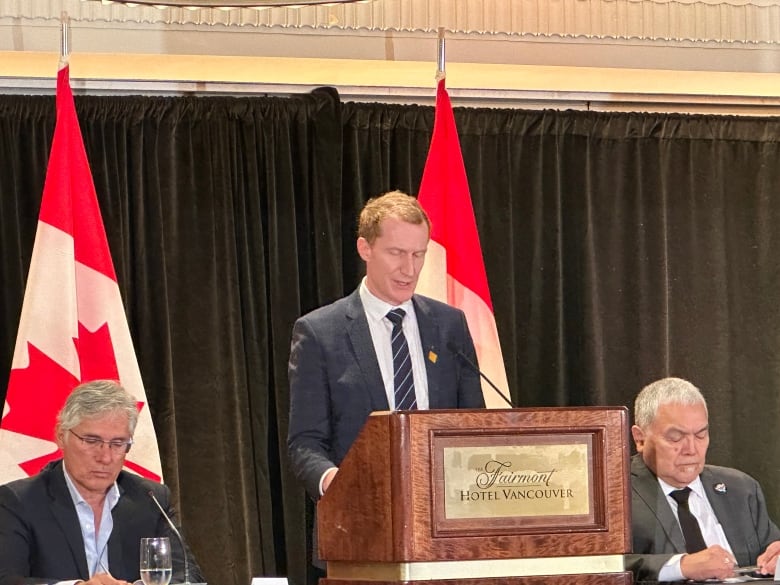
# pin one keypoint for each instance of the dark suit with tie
(40, 534)
(336, 383)
(735, 497)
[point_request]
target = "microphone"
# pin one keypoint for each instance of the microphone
(178, 536)
(454, 349)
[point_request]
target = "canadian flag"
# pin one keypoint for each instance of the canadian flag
(454, 271)
(73, 327)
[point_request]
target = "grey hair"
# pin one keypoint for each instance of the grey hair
(97, 398)
(664, 391)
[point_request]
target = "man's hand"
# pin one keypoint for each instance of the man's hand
(714, 562)
(768, 559)
(102, 579)
(327, 479)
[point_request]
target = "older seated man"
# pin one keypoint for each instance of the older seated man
(690, 520)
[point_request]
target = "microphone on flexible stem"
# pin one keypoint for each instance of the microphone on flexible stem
(178, 535)
(454, 349)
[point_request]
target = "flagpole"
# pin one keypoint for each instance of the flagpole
(441, 71)
(454, 270)
(64, 38)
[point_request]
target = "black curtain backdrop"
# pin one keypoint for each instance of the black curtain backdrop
(619, 247)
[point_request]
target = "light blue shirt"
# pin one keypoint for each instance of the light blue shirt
(95, 544)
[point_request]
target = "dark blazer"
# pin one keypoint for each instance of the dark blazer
(40, 535)
(335, 381)
(736, 498)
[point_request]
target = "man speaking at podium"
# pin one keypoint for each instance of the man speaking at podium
(380, 348)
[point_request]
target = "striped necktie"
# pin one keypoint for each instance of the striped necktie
(403, 381)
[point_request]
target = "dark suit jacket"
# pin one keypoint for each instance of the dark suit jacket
(40, 535)
(335, 381)
(738, 503)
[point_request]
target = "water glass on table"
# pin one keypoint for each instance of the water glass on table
(156, 565)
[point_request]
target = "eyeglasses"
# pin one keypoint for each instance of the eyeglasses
(96, 444)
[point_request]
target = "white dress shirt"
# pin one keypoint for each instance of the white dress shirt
(381, 329)
(702, 510)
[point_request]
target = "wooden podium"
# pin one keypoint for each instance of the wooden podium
(477, 497)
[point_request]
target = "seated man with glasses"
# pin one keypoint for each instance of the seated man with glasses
(81, 519)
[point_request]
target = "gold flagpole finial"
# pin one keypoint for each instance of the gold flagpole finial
(441, 71)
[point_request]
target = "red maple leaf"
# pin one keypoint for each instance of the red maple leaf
(37, 393)
(96, 354)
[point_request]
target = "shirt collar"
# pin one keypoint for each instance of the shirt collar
(696, 487)
(376, 308)
(112, 496)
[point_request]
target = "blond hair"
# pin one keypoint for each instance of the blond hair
(395, 204)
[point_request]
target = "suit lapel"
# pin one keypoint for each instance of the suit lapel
(64, 511)
(428, 327)
(363, 348)
(647, 488)
(724, 512)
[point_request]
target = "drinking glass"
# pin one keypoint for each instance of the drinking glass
(156, 567)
